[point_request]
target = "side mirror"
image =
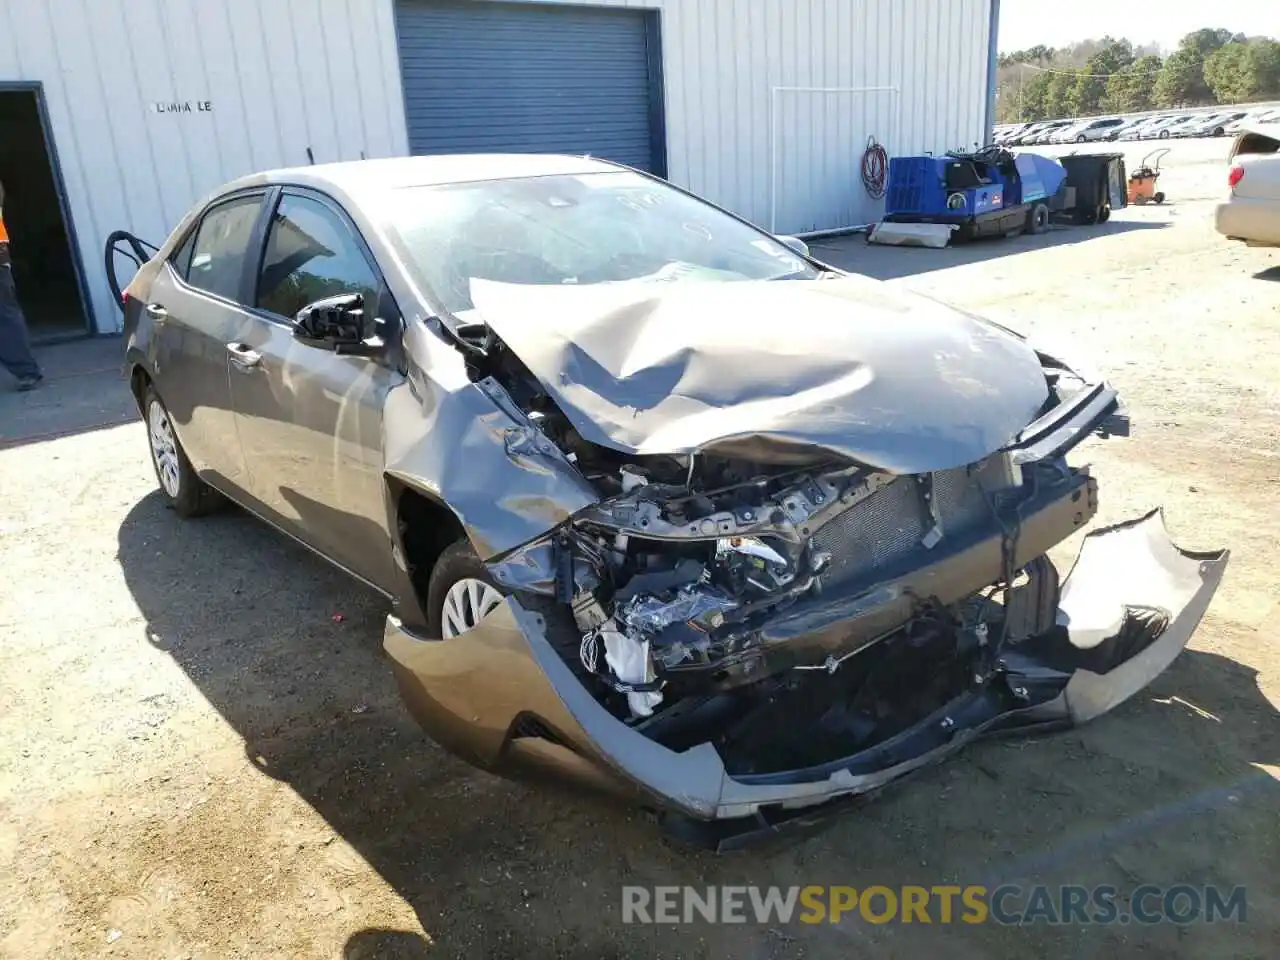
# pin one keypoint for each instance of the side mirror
(796, 244)
(340, 324)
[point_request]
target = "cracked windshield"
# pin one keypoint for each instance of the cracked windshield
(594, 228)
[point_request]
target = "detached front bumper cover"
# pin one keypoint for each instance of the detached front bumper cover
(503, 698)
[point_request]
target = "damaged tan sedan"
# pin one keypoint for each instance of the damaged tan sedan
(663, 505)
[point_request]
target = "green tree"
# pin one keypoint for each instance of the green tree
(1264, 54)
(1129, 91)
(1227, 73)
(1037, 54)
(1240, 72)
(1034, 94)
(1181, 81)
(1091, 86)
(1057, 94)
(1206, 40)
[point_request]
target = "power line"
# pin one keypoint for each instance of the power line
(1065, 73)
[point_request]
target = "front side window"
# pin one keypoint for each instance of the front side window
(609, 227)
(311, 254)
(181, 258)
(217, 255)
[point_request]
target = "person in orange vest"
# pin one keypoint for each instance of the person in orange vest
(15, 345)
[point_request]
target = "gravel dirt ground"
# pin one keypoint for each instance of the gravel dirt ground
(202, 752)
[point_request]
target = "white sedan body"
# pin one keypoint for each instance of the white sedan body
(1252, 211)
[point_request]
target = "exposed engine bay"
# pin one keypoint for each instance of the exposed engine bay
(774, 575)
(679, 578)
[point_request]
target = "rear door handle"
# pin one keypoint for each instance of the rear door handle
(157, 312)
(243, 356)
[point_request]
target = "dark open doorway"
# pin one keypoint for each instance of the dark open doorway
(45, 265)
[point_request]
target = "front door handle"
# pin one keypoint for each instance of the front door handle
(244, 356)
(157, 312)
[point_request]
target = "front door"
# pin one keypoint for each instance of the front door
(310, 420)
(195, 307)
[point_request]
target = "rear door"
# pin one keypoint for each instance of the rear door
(195, 308)
(310, 420)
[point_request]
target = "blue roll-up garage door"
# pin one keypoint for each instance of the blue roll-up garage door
(485, 77)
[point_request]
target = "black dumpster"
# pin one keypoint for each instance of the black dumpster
(1095, 185)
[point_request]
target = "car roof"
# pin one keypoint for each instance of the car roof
(1266, 126)
(354, 177)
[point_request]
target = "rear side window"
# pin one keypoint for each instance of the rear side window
(312, 254)
(217, 256)
(1251, 142)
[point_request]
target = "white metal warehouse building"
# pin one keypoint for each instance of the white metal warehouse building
(123, 113)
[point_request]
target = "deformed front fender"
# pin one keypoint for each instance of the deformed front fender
(471, 692)
(468, 446)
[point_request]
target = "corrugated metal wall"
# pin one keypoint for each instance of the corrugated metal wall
(283, 75)
(795, 166)
(280, 75)
(755, 150)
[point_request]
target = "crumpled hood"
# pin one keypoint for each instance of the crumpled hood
(771, 371)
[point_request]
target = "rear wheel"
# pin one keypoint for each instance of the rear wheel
(1080, 138)
(1038, 218)
(1158, 198)
(185, 492)
(1164, 134)
(460, 592)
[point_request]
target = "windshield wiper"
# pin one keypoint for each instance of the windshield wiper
(802, 275)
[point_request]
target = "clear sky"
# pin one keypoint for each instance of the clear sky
(1024, 23)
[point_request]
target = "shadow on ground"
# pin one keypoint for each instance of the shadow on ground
(289, 652)
(888, 263)
(1271, 273)
(84, 389)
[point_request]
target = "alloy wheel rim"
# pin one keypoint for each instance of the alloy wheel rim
(466, 603)
(164, 447)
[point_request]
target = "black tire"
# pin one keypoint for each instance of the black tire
(457, 562)
(1080, 138)
(1158, 198)
(1218, 131)
(1038, 219)
(1164, 134)
(191, 497)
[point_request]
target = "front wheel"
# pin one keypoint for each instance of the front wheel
(460, 592)
(1080, 138)
(1158, 198)
(1164, 134)
(186, 494)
